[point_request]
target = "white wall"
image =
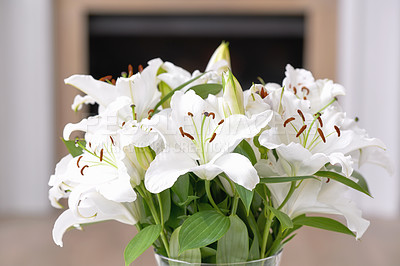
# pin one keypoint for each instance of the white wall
(369, 67)
(26, 102)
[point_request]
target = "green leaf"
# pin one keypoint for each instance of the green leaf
(246, 196)
(140, 242)
(203, 90)
(285, 220)
(234, 245)
(207, 252)
(323, 223)
(246, 150)
(191, 255)
(169, 95)
(202, 229)
(166, 204)
(73, 148)
(254, 252)
(342, 179)
(282, 179)
(361, 181)
(181, 187)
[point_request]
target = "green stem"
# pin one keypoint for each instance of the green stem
(161, 210)
(276, 243)
(265, 234)
(290, 193)
(235, 205)
(210, 198)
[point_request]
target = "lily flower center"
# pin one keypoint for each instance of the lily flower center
(203, 134)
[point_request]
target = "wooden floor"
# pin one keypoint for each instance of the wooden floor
(27, 241)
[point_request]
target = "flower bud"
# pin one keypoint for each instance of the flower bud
(144, 156)
(233, 94)
(220, 60)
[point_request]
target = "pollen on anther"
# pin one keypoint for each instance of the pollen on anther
(150, 111)
(301, 130)
(83, 169)
(90, 144)
(321, 135)
(301, 114)
(105, 78)
(220, 122)
(101, 155)
(188, 135)
(213, 137)
(190, 114)
(130, 70)
(79, 159)
(327, 181)
(140, 68)
(211, 114)
(263, 93)
(337, 130)
(290, 119)
(294, 90)
(305, 89)
(123, 123)
(182, 132)
(112, 140)
(320, 121)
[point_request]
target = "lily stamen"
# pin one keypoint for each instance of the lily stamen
(301, 115)
(213, 137)
(305, 89)
(190, 114)
(123, 124)
(188, 135)
(112, 140)
(130, 71)
(321, 135)
(220, 122)
(337, 130)
(212, 114)
(182, 132)
(320, 121)
(77, 162)
(290, 119)
(301, 130)
(263, 93)
(140, 68)
(83, 169)
(105, 78)
(101, 155)
(294, 90)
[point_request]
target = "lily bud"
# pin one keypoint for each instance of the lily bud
(144, 156)
(221, 59)
(233, 94)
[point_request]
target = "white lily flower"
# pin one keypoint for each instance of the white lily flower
(201, 142)
(93, 207)
(79, 100)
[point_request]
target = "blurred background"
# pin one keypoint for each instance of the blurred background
(354, 42)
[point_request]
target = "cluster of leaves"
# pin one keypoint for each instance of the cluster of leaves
(202, 223)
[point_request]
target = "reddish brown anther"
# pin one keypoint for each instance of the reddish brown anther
(105, 78)
(305, 89)
(320, 121)
(337, 130)
(188, 135)
(327, 181)
(213, 137)
(220, 122)
(290, 86)
(123, 123)
(90, 144)
(211, 114)
(79, 159)
(263, 93)
(321, 134)
(290, 119)
(305, 98)
(182, 132)
(112, 140)
(301, 130)
(130, 71)
(150, 111)
(101, 155)
(301, 114)
(83, 169)
(294, 90)
(140, 68)
(190, 114)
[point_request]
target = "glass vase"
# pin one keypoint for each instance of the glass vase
(269, 261)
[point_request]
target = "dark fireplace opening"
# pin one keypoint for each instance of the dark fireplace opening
(260, 46)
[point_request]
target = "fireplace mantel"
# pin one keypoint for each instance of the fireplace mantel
(71, 31)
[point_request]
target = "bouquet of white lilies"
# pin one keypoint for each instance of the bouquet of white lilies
(208, 172)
